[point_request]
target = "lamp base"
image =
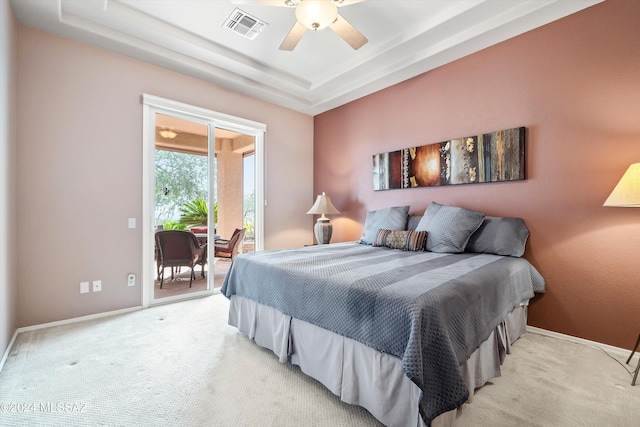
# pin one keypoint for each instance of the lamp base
(323, 230)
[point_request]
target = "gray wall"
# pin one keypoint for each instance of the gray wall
(80, 171)
(8, 159)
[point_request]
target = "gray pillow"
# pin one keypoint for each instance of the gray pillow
(500, 236)
(448, 227)
(394, 218)
(413, 222)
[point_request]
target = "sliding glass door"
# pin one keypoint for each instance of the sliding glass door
(194, 180)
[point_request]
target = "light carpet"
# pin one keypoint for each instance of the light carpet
(182, 365)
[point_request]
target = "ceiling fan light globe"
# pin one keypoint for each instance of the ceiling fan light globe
(316, 14)
(167, 133)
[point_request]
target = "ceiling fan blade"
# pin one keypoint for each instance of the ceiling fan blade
(341, 3)
(348, 33)
(281, 3)
(294, 36)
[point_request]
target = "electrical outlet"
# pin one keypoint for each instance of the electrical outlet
(131, 280)
(84, 287)
(97, 285)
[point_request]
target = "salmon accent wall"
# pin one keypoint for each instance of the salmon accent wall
(575, 85)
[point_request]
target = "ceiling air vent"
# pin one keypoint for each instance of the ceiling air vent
(244, 24)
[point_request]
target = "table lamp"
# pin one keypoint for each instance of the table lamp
(627, 194)
(323, 228)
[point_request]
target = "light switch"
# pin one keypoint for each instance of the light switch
(84, 287)
(132, 223)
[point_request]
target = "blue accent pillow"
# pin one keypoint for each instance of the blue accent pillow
(393, 218)
(449, 227)
(413, 222)
(500, 236)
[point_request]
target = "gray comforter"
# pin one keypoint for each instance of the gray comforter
(430, 310)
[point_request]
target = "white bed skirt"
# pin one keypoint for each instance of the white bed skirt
(360, 375)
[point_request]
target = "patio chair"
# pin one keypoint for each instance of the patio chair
(201, 234)
(202, 260)
(176, 248)
(229, 248)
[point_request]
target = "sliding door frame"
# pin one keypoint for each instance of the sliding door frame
(153, 105)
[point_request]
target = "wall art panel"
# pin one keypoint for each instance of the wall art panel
(488, 157)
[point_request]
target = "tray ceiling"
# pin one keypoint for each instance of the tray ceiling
(406, 38)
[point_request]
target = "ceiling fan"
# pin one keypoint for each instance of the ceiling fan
(315, 15)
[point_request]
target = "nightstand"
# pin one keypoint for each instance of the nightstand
(635, 374)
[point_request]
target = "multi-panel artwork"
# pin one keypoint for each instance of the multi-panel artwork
(489, 157)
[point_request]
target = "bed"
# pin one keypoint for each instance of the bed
(405, 332)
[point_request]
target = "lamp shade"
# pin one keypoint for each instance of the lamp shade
(627, 192)
(323, 206)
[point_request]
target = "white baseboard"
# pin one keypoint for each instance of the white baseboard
(6, 353)
(616, 351)
(58, 323)
(79, 319)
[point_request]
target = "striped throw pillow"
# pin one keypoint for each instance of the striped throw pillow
(404, 240)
